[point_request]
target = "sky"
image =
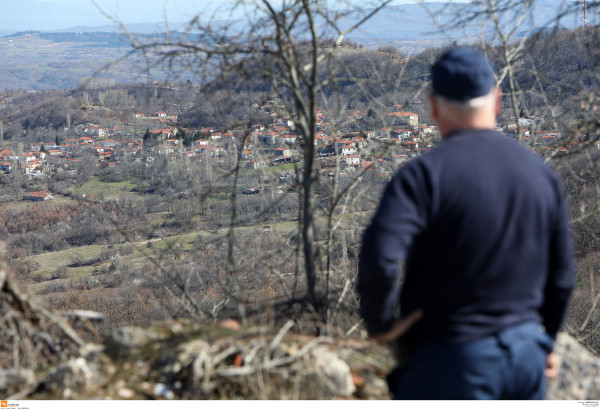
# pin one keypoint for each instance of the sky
(47, 15)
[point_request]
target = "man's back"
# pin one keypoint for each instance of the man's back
(480, 212)
(492, 218)
(482, 226)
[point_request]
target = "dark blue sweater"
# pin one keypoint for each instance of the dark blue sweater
(482, 226)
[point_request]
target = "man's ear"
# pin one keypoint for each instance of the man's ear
(498, 101)
(434, 107)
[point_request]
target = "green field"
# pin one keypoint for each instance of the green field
(283, 167)
(88, 259)
(96, 188)
(23, 204)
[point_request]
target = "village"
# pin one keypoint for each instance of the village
(257, 146)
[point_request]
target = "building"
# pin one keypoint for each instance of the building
(406, 118)
(38, 196)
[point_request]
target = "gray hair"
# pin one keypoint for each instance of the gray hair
(466, 106)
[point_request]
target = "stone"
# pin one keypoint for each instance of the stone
(577, 379)
(335, 379)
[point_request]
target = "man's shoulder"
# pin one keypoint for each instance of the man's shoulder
(471, 142)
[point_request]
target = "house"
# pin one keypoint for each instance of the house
(268, 138)
(138, 114)
(283, 152)
(94, 130)
(352, 160)
(284, 140)
(28, 157)
(370, 134)
(201, 144)
(129, 143)
(85, 140)
(400, 133)
(348, 150)
(254, 164)
(349, 146)
(104, 155)
(428, 129)
(289, 123)
(108, 143)
(411, 145)
(163, 133)
(408, 118)
(161, 113)
(37, 196)
(6, 166)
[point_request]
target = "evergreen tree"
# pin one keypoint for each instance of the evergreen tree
(147, 138)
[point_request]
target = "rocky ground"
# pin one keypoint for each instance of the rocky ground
(43, 356)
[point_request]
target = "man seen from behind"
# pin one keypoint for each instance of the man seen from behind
(481, 226)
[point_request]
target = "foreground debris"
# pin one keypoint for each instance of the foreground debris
(42, 356)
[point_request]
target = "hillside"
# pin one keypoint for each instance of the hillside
(36, 61)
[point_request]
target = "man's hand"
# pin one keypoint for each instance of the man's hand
(552, 366)
(399, 328)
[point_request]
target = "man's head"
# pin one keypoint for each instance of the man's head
(464, 91)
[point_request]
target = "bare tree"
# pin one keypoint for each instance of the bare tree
(284, 48)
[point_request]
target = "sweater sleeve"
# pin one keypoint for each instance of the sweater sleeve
(401, 215)
(561, 274)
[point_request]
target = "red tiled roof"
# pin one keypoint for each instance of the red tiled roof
(41, 193)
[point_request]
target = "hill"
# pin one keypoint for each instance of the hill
(61, 59)
(36, 61)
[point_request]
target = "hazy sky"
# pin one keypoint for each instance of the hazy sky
(57, 14)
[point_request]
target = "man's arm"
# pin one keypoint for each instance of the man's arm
(560, 283)
(398, 329)
(561, 272)
(401, 215)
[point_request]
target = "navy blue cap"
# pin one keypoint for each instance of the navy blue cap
(461, 74)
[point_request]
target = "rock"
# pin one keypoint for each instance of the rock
(184, 356)
(126, 393)
(578, 376)
(127, 339)
(162, 391)
(75, 374)
(13, 380)
(333, 374)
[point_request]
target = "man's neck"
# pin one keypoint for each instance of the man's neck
(463, 121)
